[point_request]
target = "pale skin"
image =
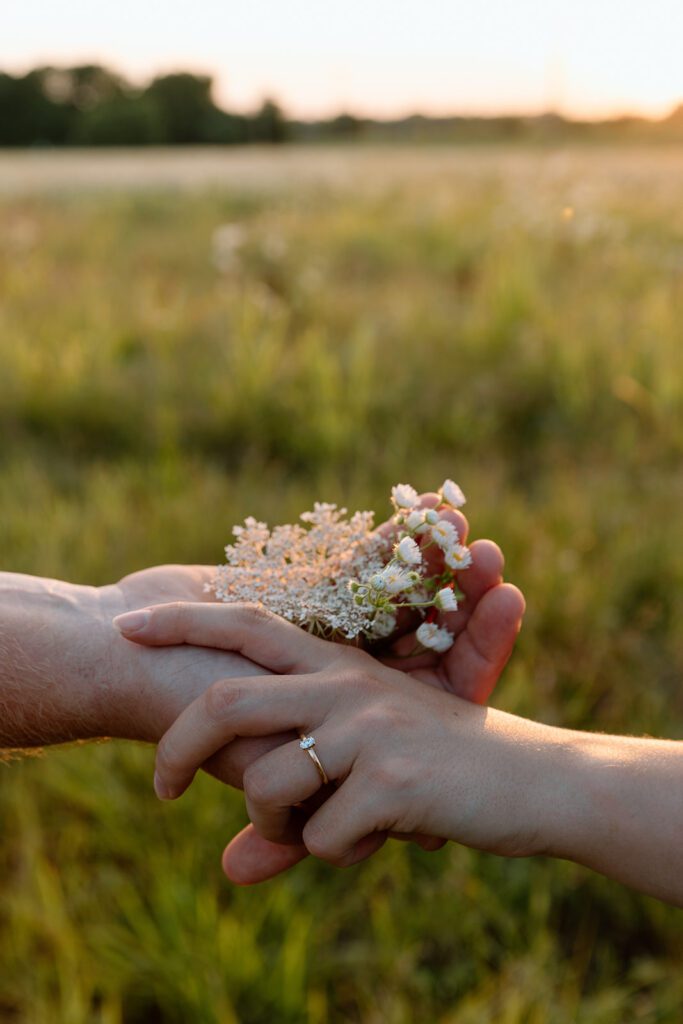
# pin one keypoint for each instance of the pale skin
(409, 759)
(66, 673)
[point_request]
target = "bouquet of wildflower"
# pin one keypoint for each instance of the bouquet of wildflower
(338, 578)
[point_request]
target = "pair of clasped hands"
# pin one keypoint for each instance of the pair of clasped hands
(406, 742)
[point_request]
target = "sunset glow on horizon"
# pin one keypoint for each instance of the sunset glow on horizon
(380, 58)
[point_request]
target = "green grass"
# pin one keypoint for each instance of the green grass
(451, 324)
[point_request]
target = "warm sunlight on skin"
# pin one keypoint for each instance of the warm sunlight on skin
(382, 58)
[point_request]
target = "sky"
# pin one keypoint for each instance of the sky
(587, 58)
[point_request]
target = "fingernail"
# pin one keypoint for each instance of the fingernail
(162, 790)
(131, 622)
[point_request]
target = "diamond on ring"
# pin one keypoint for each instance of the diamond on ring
(307, 742)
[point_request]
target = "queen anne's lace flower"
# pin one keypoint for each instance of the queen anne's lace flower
(334, 576)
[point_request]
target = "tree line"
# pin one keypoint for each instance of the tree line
(90, 105)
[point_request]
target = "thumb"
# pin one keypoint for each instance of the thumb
(249, 859)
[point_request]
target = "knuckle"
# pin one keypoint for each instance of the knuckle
(357, 657)
(363, 679)
(384, 717)
(179, 615)
(390, 775)
(253, 613)
(342, 680)
(398, 717)
(220, 699)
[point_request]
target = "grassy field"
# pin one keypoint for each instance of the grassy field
(511, 319)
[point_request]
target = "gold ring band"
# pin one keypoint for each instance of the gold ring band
(307, 743)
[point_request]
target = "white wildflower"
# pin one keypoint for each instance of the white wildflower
(395, 578)
(444, 534)
(457, 557)
(434, 637)
(414, 520)
(404, 496)
(445, 600)
(451, 494)
(334, 576)
(383, 624)
(408, 551)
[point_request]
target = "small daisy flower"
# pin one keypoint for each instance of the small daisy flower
(404, 496)
(431, 516)
(457, 557)
(434, 637)
(407, 551)
(444, 534)
(445, 600)
(395, 579)
(414, 520)
(452, 495)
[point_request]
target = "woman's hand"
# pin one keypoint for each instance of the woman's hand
(404, 758)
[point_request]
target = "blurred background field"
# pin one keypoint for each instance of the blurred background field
(198, 338)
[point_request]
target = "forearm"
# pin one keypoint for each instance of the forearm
(611, 803)
(615, 804)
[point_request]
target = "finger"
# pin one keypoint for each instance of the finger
(484, 573)
(486, 570)
(249, 859)
(480, 653)
(347, 826)
(248, 629)
(255, 706)
(231, 762)
(285, 777)
(433, 556)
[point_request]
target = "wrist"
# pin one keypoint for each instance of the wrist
(54, 640)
